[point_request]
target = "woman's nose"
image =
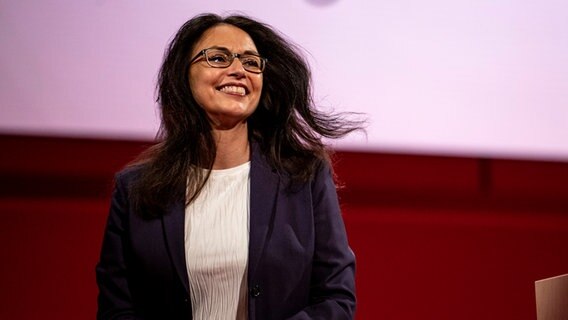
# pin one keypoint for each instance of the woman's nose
(236, 68)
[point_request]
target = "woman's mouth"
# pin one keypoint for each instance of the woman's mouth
(236, 90)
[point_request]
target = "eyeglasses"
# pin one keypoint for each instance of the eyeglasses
(222, 58)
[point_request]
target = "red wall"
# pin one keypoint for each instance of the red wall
(435, 237)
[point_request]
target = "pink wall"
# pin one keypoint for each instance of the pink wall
(469, 78)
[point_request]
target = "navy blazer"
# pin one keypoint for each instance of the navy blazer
(300, 265)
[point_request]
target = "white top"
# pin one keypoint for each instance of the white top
(216, 245)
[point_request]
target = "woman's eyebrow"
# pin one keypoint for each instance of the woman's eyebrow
(253, 52)
(220, 48)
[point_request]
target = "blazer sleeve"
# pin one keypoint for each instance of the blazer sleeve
(114, 300)
(332, 293)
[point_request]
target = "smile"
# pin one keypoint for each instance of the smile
(233, 90)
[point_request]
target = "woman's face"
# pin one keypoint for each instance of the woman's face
(228, 95)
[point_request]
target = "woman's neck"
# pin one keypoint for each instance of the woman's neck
(232, 147)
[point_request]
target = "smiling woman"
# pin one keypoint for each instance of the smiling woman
(226, 89)
(233, 214)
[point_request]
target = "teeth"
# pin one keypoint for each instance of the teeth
(233, 90)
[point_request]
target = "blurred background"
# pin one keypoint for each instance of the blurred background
(455, 201)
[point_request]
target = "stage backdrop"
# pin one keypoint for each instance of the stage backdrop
(473, 78)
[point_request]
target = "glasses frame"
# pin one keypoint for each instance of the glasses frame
(232, 56)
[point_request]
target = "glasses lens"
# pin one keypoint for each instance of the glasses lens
(218, 58)
(252, 63)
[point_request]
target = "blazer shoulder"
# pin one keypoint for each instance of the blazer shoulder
(128, 174)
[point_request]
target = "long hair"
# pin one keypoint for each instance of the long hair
(285, 125)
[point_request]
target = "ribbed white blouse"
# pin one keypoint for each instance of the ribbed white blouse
(216, 245)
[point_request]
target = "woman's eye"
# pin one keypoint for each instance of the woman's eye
(218, 58)
(251, 62)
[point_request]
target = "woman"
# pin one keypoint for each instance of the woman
(234, 213)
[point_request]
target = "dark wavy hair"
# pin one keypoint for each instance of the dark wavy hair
(285, 125)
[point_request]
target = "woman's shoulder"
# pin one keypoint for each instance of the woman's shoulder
(129, 173)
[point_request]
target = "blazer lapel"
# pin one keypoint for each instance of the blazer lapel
(264, 185)
(173, 222)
